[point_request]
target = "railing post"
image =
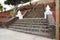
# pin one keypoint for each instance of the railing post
(57, 19)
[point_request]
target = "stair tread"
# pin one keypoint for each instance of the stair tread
(39, 33)
(32, 20)
(27, 28)
(28, 23)
(33, 26)
(34, 29)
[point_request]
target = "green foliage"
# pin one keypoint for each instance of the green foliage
(12, 2)
(1, 7)
(12, 13)
(26, 1)
(15, 2)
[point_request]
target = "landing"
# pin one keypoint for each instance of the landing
(6, 34)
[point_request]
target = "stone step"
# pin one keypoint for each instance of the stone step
(33, 20)
(30, 23)
(45, 34)
(38, 26)
(30, 29)
(30, 26)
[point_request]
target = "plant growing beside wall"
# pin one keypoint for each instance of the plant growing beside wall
(1, 8)
(12, 13)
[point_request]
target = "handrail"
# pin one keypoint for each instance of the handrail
(11, 19)
(8, 22)
(25, 12)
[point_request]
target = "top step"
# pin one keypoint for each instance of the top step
(34, 20)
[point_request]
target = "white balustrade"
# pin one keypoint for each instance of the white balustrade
(47, 12)
(19, 15)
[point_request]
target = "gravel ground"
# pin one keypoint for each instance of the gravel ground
(6, 34)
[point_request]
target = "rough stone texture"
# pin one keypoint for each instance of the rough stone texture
(4, 16)
(36, 12)
(35, 26)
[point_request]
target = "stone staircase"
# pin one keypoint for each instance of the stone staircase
(36, 12)
(36, 26)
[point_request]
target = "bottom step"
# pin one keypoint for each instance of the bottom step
(40, 33)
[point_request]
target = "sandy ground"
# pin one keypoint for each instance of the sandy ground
(6, 34)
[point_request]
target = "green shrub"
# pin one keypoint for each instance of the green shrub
(12, 13)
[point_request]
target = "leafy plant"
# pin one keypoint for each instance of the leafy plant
(1, 7)
(12, 13)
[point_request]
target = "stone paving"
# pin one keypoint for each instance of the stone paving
(6, 34)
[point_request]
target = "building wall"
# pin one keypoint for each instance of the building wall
(4, 15)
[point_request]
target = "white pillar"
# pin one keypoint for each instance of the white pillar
(19, 15)
(47, 12)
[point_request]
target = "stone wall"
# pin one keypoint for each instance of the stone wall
(4, 16)
(36, 12)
